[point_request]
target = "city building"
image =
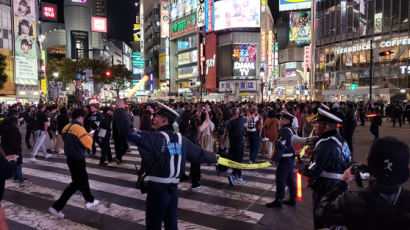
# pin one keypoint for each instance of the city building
(361, 45)
(294, 46)
(99, 8)
(7, 93)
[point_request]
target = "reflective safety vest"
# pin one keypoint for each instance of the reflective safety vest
(175, 151)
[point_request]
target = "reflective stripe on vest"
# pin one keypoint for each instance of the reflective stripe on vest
(335, 176)
(173, 149)
(287, 155)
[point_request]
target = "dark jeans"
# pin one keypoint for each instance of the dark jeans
(29, 133)
(254, 145)
(285, 176)
(394, 120)
(236, 149)
(162, 205)
(105, 149)
(79, 177)
(120, 146)
(19, 173)
(195, 173)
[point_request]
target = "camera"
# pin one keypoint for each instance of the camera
(361, 173)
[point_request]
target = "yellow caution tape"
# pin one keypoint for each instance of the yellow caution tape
(236, 165)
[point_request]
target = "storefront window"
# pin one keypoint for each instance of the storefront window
(187, 42)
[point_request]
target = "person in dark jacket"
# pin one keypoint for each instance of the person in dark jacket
(92, 122)
(7, 170)
(397, 113)
(158, 149)
(11, 145)
(349, 125)
(330, 158)
(384, 205)
(120, 142)
(62, 121)
(104, 134)
(76, 141)
(146, 121)
(376, 121)
(30, 119)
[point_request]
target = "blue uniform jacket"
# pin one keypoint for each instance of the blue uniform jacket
(329, 156)
(153, 148)
(283, 144)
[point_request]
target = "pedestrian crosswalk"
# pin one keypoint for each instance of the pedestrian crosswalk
(216, 205)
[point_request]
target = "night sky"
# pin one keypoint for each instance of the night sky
(121, 18)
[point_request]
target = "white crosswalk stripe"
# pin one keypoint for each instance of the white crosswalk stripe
(45, 173)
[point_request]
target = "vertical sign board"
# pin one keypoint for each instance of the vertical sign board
(79, 44)
(209, 16)
(48, 12)
(25, 29)
(99, 24)
(137, 32)
(164, 19)
(244, 60)
(200, 15)
(211, 63)
(307, 60)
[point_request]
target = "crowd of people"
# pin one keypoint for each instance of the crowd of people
(280, 128)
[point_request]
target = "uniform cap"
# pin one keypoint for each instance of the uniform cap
(388, 161)
(327, 116)
(287, 116)
(167, 112)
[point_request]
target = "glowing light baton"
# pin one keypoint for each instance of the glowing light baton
(137, 86)
(311, 118)
(299, 186)
(372, 115)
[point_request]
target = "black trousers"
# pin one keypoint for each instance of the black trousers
(394, 120)
(29, 133)
(79, 177)
(120, 146)
(105, 149)
(161, 206)
(195, 173)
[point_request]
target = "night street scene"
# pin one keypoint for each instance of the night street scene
(204, 114)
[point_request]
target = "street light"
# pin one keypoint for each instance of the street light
(262, 75)
(55, 74)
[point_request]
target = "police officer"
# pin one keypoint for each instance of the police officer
(164, 154)
(284, 158)
(384, 204)
(330, 158)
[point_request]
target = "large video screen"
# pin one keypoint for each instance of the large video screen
(287, 5)
(300, 32)
(237, 14)
(244, 60)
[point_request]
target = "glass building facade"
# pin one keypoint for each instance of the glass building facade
(346, 33)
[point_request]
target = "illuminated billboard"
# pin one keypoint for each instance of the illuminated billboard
(99, 24)
(236, 14)
(25, 34)
(48, 11)
(287, 5)
(164, 19)
(180, 8)
(300, 32)
(244, 60)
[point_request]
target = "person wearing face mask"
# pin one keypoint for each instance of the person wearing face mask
(330, 158)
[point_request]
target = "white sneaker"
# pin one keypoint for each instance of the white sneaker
(33, 160)
(91, 205)
(48, 156)
(56, 213)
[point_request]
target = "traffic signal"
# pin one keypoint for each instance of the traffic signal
(385, 53)
(108, 73)
(353, 86)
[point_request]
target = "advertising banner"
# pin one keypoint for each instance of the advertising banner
(137, 32)
(287, 5)
(200, 15)
(378, 22)
(180, 8)
(8, 87)
(99, 24)
(79, 44)
(164, 19)
(48, 11)
(210, 60)
(244, 60)
(25, 33)
(299, 32)
(183, 26)
(209, 16)
(26, 71)
(236, 14)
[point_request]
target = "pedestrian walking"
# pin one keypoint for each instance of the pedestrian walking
(397, 113)
(41, 130)
(76, 141)
(271, 129)
(104, 134)
(254, 132)
(376, 122)
(30, 120)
